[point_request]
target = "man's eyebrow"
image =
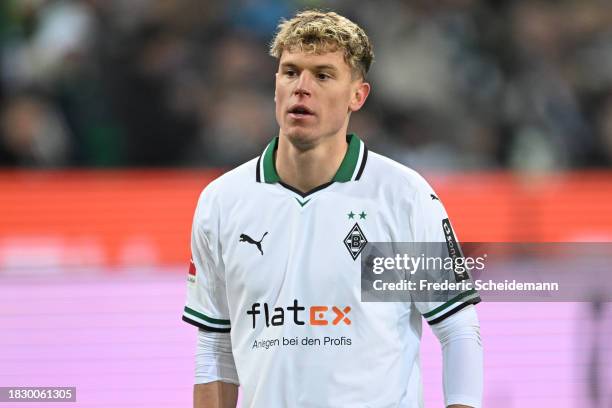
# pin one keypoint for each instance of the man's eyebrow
(326, 66)
(288, 65)
(316, 67)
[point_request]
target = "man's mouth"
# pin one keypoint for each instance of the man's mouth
(299, 111)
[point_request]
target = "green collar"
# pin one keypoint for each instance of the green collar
(350, 169)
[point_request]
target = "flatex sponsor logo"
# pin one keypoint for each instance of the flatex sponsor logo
(317, 315)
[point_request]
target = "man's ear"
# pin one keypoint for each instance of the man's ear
(359, 95)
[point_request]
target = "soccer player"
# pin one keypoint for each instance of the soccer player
(274, 284)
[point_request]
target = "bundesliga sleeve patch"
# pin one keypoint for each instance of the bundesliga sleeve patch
(191, 276)
(454, 251)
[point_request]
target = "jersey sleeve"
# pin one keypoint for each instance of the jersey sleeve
(432, 225)
(206, 306)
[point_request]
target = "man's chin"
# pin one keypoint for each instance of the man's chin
(301, 139)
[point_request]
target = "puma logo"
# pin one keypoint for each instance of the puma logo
(433, 197)
(246, 238)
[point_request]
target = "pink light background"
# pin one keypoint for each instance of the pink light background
(119, 339)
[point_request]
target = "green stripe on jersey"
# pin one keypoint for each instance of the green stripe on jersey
(206, 318)
(449, 303)
(269, 169)
(348, 165)
(301, 203)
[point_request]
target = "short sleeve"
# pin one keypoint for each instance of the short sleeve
(432, 225)
(206, 306)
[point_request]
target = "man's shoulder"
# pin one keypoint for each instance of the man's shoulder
(236, 180)
(386, 172)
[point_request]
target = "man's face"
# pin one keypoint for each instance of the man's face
(314, 95)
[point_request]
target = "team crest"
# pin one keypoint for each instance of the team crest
(355, 241)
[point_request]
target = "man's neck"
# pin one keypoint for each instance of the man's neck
(308, 169)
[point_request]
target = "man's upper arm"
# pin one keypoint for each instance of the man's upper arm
(206, 306)
(434, 232)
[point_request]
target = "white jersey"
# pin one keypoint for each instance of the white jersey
(280, 271)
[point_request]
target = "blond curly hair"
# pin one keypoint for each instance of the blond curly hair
(317, 32)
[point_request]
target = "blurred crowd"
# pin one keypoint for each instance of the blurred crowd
(457, 84)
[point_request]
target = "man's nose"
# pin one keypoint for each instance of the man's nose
(303, 84)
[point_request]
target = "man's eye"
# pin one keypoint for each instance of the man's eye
(290, 73)
(322, 76)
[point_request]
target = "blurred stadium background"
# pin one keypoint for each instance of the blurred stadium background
(114, 114)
